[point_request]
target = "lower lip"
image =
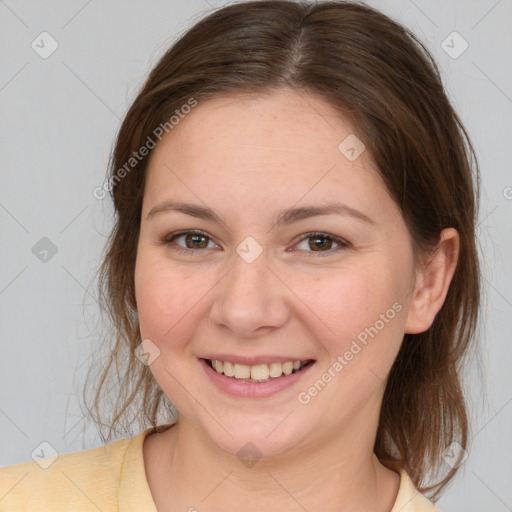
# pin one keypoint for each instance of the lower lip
(243, 389)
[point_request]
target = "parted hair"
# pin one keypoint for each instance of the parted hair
(375, 71)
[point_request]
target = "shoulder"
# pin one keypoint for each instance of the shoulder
(85, 480)
(409, 499)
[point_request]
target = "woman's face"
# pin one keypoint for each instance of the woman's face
(268, 282)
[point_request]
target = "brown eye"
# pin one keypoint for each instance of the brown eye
(322, 243)
(196, 241)
(192, 241)
(319, 243)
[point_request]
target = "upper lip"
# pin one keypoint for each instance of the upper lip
(254, 360)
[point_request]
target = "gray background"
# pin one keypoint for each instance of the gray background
(59, 117)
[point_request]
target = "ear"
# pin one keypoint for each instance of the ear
(433, 282)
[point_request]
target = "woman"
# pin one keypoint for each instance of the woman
(292, 267)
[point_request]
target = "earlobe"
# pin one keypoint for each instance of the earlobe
(433, 283)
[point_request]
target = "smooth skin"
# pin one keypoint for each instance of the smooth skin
(248, 157)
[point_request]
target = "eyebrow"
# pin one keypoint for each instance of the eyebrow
(284, 217)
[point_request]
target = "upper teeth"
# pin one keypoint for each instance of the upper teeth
(257, 371)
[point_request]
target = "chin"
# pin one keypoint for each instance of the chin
(256, 437)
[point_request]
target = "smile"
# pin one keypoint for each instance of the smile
(256, 373)
(260, 380)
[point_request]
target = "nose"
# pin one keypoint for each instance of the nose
(251, 300)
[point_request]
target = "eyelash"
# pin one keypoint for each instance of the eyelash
(343, 244)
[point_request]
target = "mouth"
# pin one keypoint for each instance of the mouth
(258, 373)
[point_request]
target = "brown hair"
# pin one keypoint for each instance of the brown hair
(378, 73)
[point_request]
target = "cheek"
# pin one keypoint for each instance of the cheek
(169, 303)
(364, 310)
(353, 299)
(156, 296)
(169, 299)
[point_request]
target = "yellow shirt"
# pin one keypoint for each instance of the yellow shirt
(112, 478)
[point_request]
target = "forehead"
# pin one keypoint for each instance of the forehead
(262, 147)
(281, 121)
